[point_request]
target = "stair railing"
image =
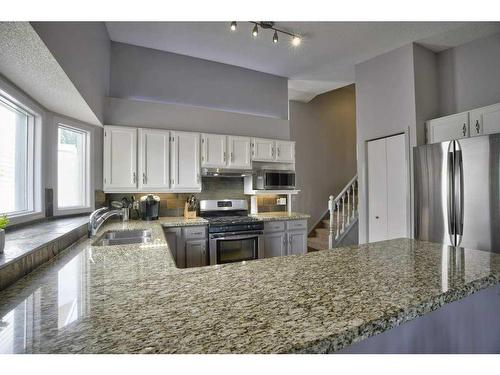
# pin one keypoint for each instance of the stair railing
(345, 202)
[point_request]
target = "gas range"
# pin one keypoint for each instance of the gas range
(234, 236)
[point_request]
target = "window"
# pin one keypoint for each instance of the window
(16, 159)
(72, 168)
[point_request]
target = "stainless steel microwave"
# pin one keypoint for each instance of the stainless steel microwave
(266, 179)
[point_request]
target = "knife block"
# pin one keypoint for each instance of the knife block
(189, 214)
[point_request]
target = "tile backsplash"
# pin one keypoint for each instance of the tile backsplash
(172, 204)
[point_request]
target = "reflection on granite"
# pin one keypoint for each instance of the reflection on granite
(278, 216)
(132, 298)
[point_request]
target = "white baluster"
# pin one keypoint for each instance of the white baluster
(353, 200)
(343, 214)
(338, 220)
(348, 205)
(331, 208)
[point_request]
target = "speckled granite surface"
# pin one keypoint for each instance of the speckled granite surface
(279, 216)
(132, 299)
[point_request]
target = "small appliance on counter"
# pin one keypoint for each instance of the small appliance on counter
(149, 207)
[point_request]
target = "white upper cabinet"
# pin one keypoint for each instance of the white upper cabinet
(485, 120)
(185, 162)
(263, 149)
(120, 158)
(239, 152)
(154, 159)
(285, 151)
(448, 128)
(213, 151)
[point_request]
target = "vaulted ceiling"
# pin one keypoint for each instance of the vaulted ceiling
(325, 59)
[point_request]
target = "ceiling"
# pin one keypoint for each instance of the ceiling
(325, 59)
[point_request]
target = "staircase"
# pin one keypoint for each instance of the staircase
(341, 218)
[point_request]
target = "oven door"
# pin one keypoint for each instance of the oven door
(232, 247)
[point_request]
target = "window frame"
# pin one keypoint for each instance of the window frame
(88, 132)
(15, 100)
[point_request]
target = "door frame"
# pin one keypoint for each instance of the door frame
(408, 173)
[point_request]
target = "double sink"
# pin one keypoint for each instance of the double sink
(124, 237)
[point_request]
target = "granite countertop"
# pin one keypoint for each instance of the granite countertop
(132, 298)
(278, 216)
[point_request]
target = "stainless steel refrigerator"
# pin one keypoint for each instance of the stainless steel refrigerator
(457, 192)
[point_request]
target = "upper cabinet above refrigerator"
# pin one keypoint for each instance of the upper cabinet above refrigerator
(477, 122)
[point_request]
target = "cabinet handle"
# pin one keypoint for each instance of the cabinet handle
(278, 151)
(272, 151)
(477, 126)
(144, 178)
(134, 178)
(232, 156)
(224, 156)
(464, 130)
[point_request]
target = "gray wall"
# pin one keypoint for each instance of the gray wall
(82, 49)
(469, 75)
(188, 118)
(325, 134)
(153, 75)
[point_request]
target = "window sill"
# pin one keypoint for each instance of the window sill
(72, 211)
(22, 218)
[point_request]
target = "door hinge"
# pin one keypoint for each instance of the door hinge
(105, 134)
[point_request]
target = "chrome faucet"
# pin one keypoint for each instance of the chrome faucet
(99, 216)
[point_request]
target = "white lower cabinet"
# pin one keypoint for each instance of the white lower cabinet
(285, 238)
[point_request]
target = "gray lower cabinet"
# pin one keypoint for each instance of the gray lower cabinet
(196, 253)
(285, 238)
(188, 245)
(274, 244)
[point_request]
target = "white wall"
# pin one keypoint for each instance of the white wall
(158, 76)
(82, 49)
(325, 134)
(469, 75)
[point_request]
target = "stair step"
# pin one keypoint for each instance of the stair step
(322, 232)
(317, 243)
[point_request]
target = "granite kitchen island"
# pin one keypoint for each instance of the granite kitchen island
(133, 299)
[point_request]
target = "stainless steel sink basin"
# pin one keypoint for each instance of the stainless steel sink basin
(123, 237)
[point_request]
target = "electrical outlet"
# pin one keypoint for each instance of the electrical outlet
(281, 201)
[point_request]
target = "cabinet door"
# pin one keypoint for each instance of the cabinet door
(263, 149)
(185, 161)
(213, 150)
(377, 191)
(285, 151)
(274, 244)
(154, 159)
(297, 242)
(448, 128)
(196, 253)
(174, 241)
(239, 152)
(485, 120)
(120, 158)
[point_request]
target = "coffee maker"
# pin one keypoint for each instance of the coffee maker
(149, 207)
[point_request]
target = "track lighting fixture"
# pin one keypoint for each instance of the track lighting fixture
(255, 31)
(296, 40)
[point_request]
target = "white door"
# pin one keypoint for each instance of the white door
(448, 128)
(196, 253)
(185, 161)
(239, 152)
(387, 188)
(213, 151)
(274, 244)
(397, 187)
(285, 151)
(485, 120)
(263, 149)
(297, 242)
(154, 159)
(120, 158)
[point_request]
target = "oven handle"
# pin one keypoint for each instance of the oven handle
(239, 237)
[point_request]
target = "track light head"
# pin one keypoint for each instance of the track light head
(255, 31)
(296, 40)
(275, 37)
(233, 26)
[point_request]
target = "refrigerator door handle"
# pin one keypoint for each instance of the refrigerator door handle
(451, 194)
(459, 193)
